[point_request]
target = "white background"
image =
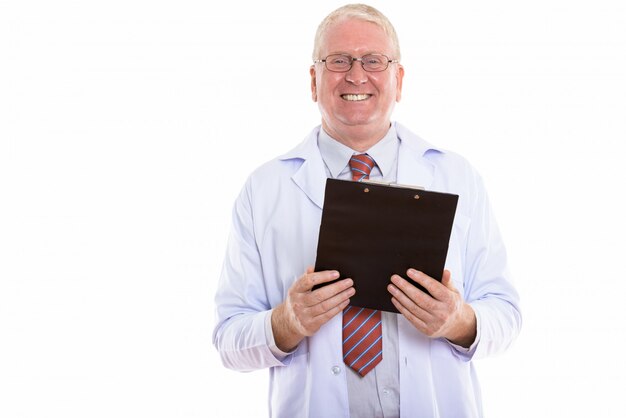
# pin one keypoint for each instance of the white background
(128, 127)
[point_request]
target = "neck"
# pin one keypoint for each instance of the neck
(360, 138)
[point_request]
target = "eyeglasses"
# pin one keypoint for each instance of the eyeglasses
(340, 63)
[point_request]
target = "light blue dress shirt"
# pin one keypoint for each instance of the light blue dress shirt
(377, 394)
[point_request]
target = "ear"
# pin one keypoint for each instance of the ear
(313, 83)
(399, 78)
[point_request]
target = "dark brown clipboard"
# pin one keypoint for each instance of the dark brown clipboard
(371, 231)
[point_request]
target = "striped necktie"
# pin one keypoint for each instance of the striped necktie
(362, 327)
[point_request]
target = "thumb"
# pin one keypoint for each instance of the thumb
(446, 280)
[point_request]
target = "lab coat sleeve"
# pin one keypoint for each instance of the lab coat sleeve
(488, 288)
(242, 303)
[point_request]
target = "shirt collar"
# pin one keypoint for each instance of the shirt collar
(336, 155)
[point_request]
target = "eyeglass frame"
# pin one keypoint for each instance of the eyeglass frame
(352, 59)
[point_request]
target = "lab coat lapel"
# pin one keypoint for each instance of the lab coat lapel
(311, 176)
(413, 168)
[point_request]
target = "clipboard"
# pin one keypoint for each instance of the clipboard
(370, 231)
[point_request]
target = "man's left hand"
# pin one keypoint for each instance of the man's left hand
(443, 313)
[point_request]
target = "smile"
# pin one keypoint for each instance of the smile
(355, 97)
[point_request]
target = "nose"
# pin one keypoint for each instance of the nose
(356, 75)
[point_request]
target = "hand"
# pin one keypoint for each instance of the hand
(305, 310)
(443, 313)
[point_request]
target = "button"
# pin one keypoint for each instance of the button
(336, 370)
(386, 392)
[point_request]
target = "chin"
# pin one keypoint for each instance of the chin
(358, 121)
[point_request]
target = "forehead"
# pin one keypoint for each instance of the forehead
(356, 37)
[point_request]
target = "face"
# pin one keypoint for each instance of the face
(357, 101)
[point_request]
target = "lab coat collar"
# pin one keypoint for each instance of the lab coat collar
(414, 167)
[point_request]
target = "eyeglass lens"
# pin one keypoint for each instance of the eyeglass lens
(341, 63)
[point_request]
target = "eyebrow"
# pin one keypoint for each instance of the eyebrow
(349, 54)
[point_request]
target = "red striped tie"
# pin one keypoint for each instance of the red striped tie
(362, 327)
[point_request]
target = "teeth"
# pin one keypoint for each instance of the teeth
(355, 97)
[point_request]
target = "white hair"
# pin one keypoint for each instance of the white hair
(360, 12)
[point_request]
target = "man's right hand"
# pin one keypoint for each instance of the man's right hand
(305, 310)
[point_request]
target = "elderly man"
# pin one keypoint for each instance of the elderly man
(326, 358)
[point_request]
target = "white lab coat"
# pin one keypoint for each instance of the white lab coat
(274, 235)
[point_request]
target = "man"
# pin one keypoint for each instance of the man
(268, 316)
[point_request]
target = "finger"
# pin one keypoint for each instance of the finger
(311, 278)
(324, 293)
(446, 280)
(408, 303)
(417, 322)
(418, 296)
(332, 302)
(434, 287)
(328, 315)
